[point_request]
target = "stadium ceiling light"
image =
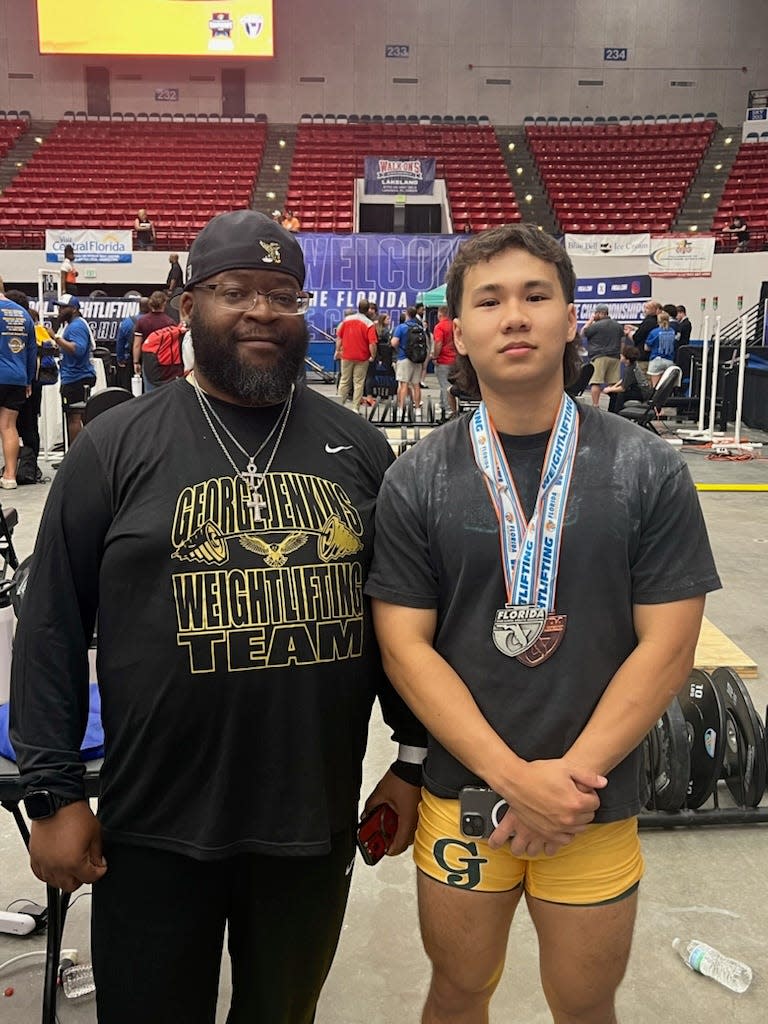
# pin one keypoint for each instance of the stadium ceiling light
(281, 143)
(278, 168)
(511, 147)
(38, 140)
(728, 141)
(706, 195)
(718, 167)
(270, 195)
(693, 227)
(528, 197)
(518, 170)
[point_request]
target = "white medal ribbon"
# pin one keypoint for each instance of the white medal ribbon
(530, 550)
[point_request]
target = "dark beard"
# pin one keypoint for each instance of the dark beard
(218, 360)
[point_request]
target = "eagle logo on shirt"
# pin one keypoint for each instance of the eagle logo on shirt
(275, 555)
(272, 249)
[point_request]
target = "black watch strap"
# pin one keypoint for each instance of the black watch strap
(41, 803)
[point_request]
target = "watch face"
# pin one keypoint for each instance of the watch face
(39, 804)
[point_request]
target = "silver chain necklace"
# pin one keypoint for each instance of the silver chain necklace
(251, 476)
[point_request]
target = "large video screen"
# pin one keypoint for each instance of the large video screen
(168, 28)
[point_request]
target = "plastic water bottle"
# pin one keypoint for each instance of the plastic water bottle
(137, 385)
(708, 961)
(77, 980)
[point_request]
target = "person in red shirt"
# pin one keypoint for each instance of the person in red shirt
(445, 357)
(355, 346)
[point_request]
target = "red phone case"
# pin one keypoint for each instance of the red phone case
(376, 832)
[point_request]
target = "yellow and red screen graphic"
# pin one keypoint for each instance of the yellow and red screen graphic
(167, 28)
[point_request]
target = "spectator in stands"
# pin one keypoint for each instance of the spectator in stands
(27, 421)
(604, 336)
(290, 221)
(124, 345)
(356, 347)
(175, 277)
(407, 374)
(683, 327)
(740, 231)
(75, 341)
(145, 325)
(661, 348)
(145, 231)
(18, 366)
(634, 385)
(445, 357)
(68, 273)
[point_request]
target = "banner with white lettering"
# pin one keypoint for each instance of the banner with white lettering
(624, 297)
(103, 316)
(389, 270)
(91, 246)
(393, 176)
(608, 245)
(684, 256)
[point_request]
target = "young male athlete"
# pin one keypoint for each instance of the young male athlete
(536, 674)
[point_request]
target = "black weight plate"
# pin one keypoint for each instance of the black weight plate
(670, 761)
(745, 752)
(704, 712)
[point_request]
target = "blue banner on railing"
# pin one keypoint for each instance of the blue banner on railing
(400, 175)
(624, 297)
(386, 269)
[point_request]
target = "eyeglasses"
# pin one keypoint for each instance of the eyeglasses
(282, 301)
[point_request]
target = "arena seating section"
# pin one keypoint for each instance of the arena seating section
(746, 195)
(328, 158)
(9, 133)
(607, 175)
(99, 174)
(618, 177)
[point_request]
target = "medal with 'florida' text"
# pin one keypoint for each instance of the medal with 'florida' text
(527, 627)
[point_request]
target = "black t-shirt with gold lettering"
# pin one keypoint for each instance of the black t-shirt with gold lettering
(236, 658)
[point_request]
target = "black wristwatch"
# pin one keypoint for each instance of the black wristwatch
(41, 803)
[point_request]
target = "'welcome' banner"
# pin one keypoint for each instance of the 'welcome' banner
(91, 246)
(387, 176)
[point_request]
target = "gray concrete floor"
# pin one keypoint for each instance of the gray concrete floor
(704, 883)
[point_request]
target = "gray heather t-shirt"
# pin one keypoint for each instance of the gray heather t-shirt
(634, 534)
(604, 338)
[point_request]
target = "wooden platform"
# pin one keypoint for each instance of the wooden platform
(715, 649)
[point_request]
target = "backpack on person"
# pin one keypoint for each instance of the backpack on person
(416, 344)
(161, 355)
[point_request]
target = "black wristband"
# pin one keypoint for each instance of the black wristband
(408, 772)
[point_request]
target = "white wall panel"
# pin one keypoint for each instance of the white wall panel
(344, 42)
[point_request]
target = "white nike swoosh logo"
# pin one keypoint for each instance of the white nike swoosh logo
(339, 448)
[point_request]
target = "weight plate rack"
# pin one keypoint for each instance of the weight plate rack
(708, 743)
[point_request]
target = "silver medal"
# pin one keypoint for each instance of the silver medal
(518, 627)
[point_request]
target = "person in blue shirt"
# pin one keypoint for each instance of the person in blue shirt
(124, 345)
(407, 374)
(660, 343)
(76, 369)
(18, 364)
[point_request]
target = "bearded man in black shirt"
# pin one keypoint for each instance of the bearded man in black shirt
(228, 518)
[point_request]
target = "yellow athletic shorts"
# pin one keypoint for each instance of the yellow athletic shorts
(601, 864)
